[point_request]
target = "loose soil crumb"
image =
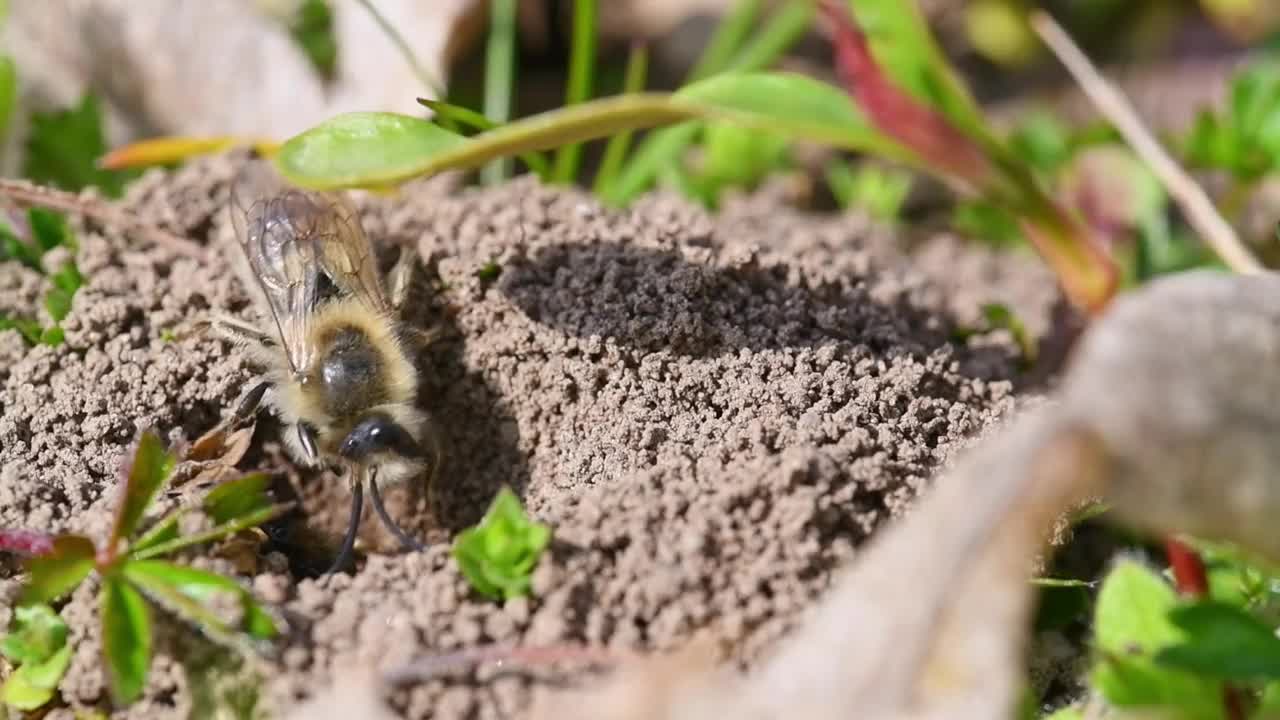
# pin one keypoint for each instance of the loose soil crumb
(712, 412)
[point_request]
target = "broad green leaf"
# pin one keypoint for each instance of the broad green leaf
(1223, 641)
(58, 303)
(902, 43)
(53, 336)
(59, 572)
(1131, 625)
(63, 148)
(148, 471)
(498, 555)
(126, 639)
(367, 149)
(38, 633)
(191, 593)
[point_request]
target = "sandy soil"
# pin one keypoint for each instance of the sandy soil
(711, 411)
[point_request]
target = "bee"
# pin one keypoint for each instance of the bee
(336, 355)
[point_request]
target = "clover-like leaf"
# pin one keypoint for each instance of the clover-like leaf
(126, 638)
(58, 572)
(145, 474)
(499, 554)
(37, 634)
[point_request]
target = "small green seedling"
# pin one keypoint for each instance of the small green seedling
(38, 647)
(130, 572)
(498, 555)
(1245, 139)
(48, 230)
(63, 147)
(489, 271)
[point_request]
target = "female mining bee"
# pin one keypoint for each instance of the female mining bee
(338, 369)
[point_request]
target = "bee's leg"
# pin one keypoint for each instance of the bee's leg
(353, 525)
(230, 327)
(250, 403)
(383, 515)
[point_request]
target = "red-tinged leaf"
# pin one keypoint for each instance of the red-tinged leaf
(126, 639)
(26, 542)
(169, 150)
(145, 474)
(59, 571)
(900, 116)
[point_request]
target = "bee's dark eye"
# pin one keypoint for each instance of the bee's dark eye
(378, 433)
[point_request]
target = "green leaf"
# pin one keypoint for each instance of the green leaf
(59, 572)
(999, 316)
(312, 30)
(33, 685)
(63, 148)
(1131, 626)
(126, 639)
(50, 229)
(11, 248)
(147, 474)
(58, 303)
(29, 329)
(38, 633)
(192, 594)
(615, 151)
(172, 543)
(53, 336)
(165, 530)
(1071, 712)
(68, 279)
(1223, 641)
(499, 554)
(8, 93)
(238, 497)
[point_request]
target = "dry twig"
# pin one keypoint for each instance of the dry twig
(26, 193)
(1113, 105)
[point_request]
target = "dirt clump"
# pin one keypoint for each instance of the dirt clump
(712, 411)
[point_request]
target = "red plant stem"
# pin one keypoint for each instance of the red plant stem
(1189, 575)
(893, 111)
(1192, 580)
(26, 542)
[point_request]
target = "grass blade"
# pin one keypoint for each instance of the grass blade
(615, 152)
(126, 639)
(582, 61)
(664, 148)
(499, 77)
(727, 40)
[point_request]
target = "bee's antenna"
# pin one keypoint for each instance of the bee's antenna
(349, 541)
(390, 524)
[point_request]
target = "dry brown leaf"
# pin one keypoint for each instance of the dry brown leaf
(219, 445)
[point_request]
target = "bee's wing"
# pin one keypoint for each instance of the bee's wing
(274, 231)
(345, 253)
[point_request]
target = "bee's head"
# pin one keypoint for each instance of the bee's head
(376, 434)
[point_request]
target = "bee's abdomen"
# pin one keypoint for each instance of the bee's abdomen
(351, 374)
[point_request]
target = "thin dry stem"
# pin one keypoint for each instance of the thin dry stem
(434, 666)
(26, 193)
(1193, 200)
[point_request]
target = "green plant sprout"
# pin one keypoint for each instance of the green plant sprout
(498, 555)
(38, 647)
(312, 29)
(49, 230)
(878, 190)
(131, 574)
